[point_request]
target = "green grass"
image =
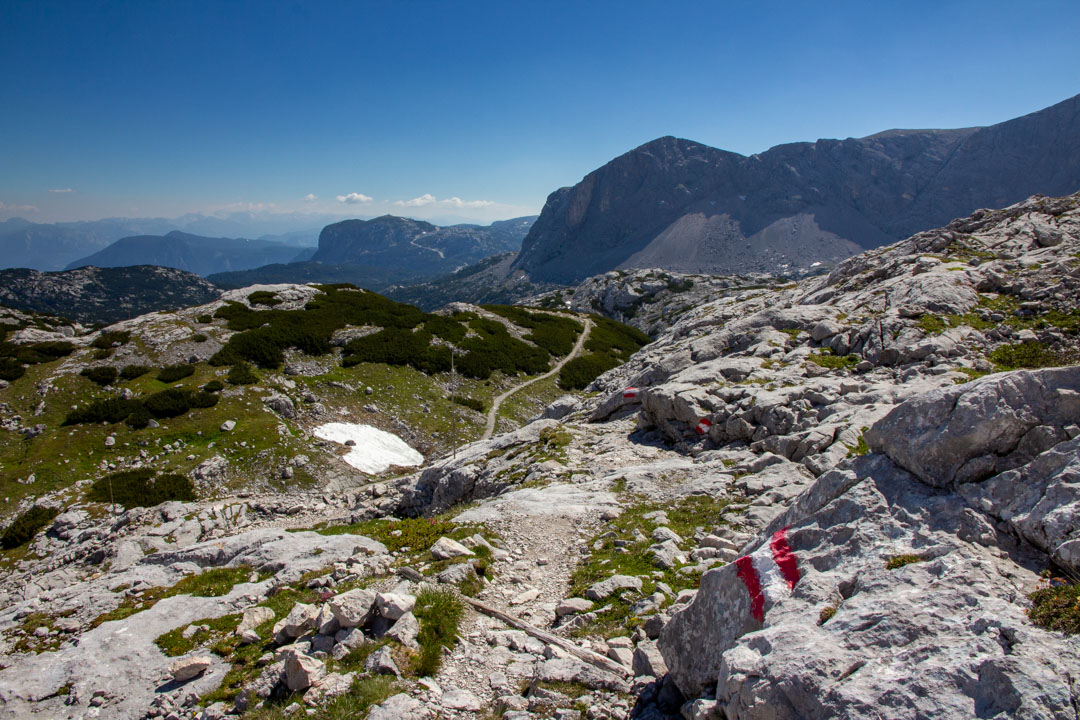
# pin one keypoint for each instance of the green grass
(1056, 608)
(439, 611)
(685, 516)
(932, 324)
(214, 582)
(860, 448)
(827, 613)
(174, 644)
(827, 359)
(898, 561)
(1026, 355)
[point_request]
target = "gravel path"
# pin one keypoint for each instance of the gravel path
(493, 414)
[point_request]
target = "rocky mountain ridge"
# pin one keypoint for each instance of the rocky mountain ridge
(92, 294)
(393, 251)
(682, 206)
(193, 253)
(839, 497)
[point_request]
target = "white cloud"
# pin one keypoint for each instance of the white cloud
(425, 199)
(311, 197)
(6, 209)
(459, 203)
(62, 190)
(452, 202)
(354, 198)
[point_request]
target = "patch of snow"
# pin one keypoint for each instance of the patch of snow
(375, 449)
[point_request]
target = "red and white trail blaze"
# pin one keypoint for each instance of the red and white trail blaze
(769, 573)
(703, 426)
(630, 393)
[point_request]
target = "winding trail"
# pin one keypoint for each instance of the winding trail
(493, 413)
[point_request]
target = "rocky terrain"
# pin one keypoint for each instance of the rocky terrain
(686, 207)
(93, 294)
(194, 253)
(850, 496)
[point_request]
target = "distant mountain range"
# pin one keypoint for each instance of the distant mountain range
(104, 295)
(194, 253)
(54, 246)
(684, 206)
(389, 250)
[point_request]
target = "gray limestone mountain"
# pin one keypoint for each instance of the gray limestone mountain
(847, 496)
(194, 253)
(398, 242)
(96, 295)
(396, 251)
(679, 205)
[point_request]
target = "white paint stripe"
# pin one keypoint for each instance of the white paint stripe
(773, 584)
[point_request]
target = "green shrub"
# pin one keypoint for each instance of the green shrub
(1056, 608)
(110, 339)
(139, 418)
(173, 373)
(205, 319)
(827, 359)
(898, 561)
(141, 488)
(175, 402)
(399, 347)
(679, 286)
(110, 410)
(1026, 355)
(263, 297)
(439, 611)
(827, 613)
(582, 370)
(555, 334)
(130, 372)
(44, 352)
(26, 525)
(473, 403)
(199, 338)
(102, 375)
(241, 374)
(615, 339)
(11, 369)
(213, 386)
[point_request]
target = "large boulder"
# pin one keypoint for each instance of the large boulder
(969, 432)
(945, 636)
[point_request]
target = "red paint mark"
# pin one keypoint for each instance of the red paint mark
(749, 576)
(784, 557)
(703, 426)
(630, 393)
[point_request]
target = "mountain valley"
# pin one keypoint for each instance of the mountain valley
(800, 498)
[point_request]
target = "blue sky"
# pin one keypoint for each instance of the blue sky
(472, 109)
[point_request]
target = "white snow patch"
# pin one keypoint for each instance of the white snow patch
(375, 450)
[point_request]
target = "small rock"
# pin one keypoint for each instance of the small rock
(228, 425)
(381, 662)
(392, 605)
(185, 669)
(446, 549)
(458, 699)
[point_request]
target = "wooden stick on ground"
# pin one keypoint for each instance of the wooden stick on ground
(587, 655)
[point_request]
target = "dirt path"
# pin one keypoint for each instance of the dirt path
(493, 414)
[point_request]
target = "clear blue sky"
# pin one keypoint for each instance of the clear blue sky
(158, 108)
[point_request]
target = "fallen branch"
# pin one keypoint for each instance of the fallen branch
(587, 655)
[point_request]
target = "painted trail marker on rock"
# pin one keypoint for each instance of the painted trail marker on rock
(769, 573)
(630, 393)
(703, 426)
